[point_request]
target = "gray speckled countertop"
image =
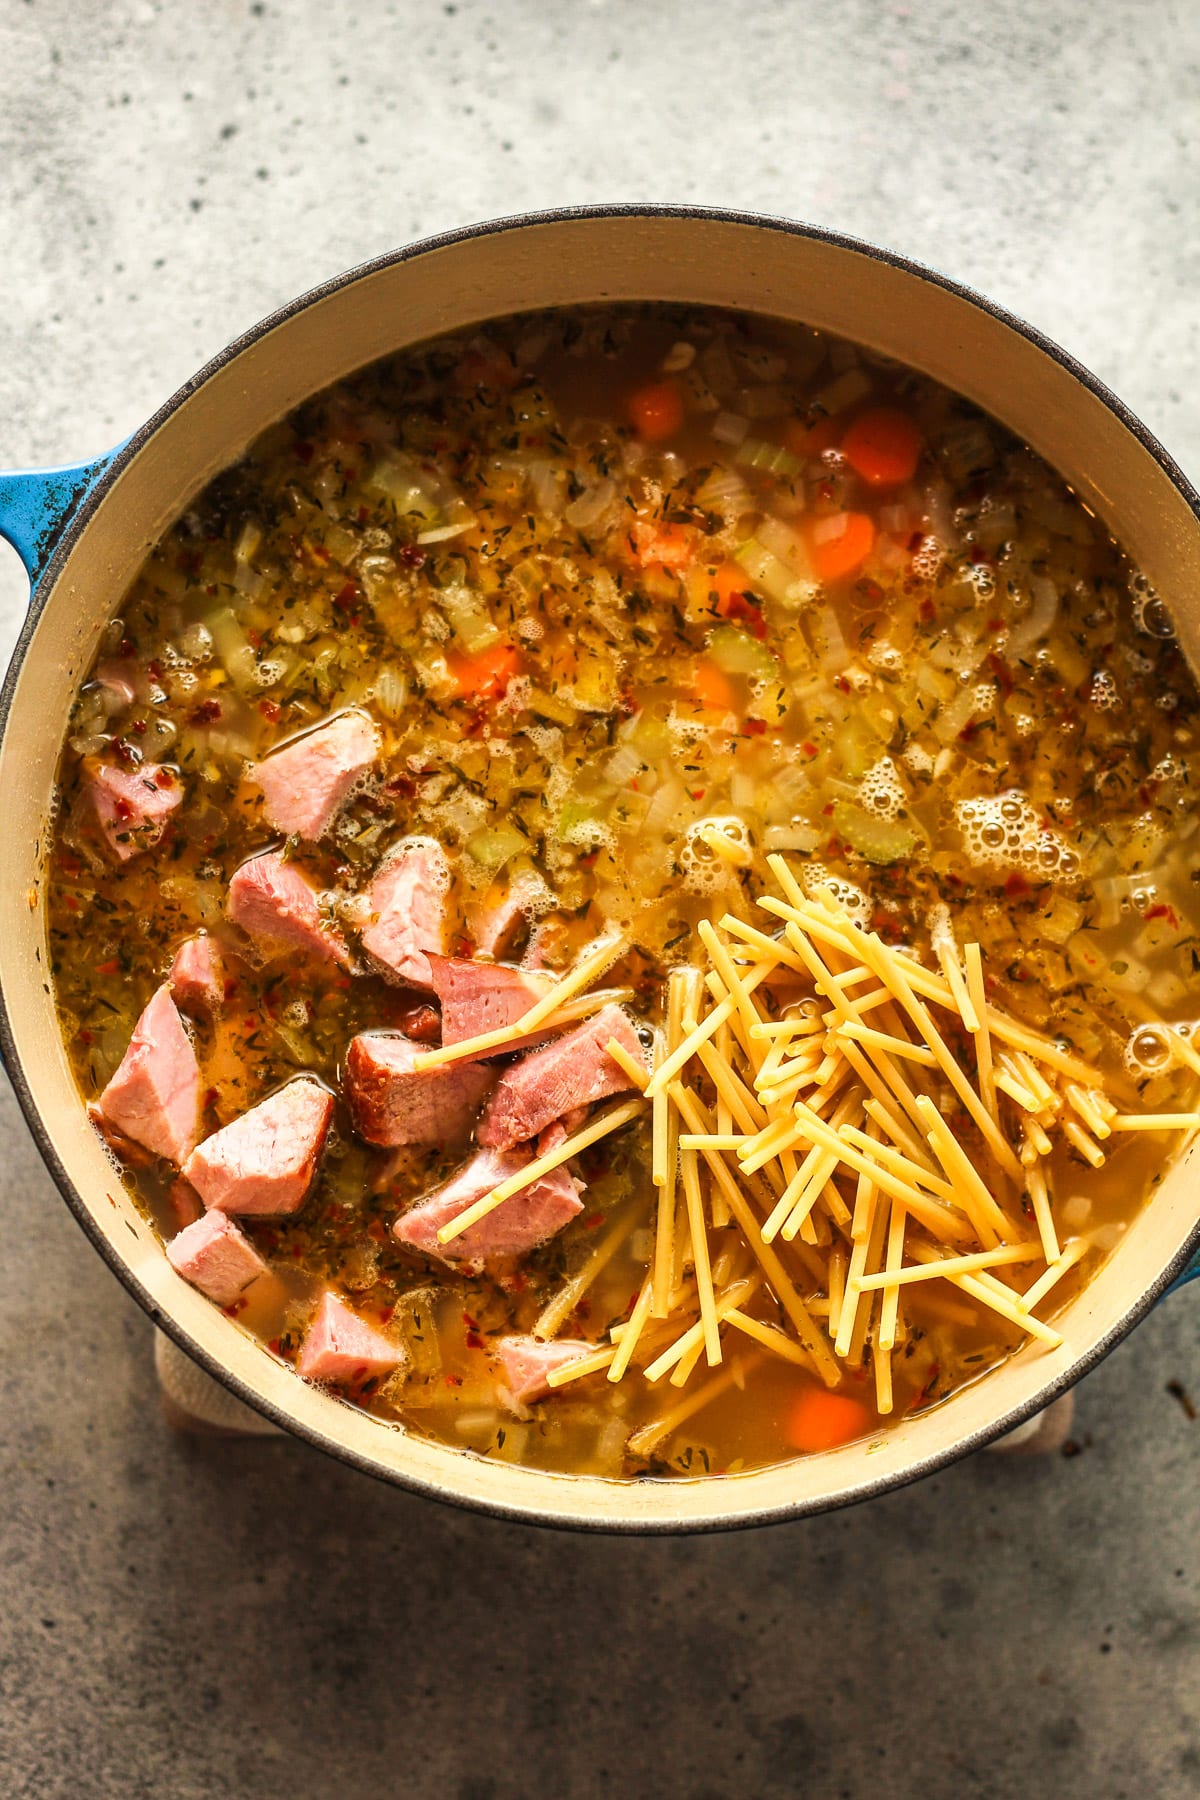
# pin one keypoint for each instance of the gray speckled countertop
(187, 1620)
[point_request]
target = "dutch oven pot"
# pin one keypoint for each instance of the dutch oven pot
(83, 533)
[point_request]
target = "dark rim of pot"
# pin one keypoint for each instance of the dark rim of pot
(566, 1519)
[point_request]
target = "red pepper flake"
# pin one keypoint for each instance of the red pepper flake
(123, 810)
(634, 785)
(969, 733)
(113, 967)
(1016, 885)
(250, 1022)
(377, 1231)
(470, 1323)
(593, 1222)
(741, 606)
(828, 810)
(273, 1345)
(996, 665)
(385, 1313)
(754, 727)
(164, 779)
(270, 709)
(808, 749)
(126, 648)
(347, 596)
(138, 727)
(211, 1096)
(927, 611)
(995, 624)
(205, 713)
(85, 1036)
(412, 556)
(1163, 911)
(697, 793)
(474, 1341)
(154, 669)
(454, 1380)
(840, 682)
(588, 859)
(70, 902)
(977, 553)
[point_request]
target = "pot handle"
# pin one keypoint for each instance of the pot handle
(36, 505)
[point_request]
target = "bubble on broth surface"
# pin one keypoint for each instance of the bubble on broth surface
(707, 867)
(1004, 831)
(1103, 691)
(815, 876)
(882, 791)
(1149, 1051)
(1149, 610)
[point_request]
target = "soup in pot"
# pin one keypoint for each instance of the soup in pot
(625, 892)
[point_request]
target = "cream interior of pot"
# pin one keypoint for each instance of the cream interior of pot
(559, 262)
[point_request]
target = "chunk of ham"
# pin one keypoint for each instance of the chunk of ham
(513, 1228)
(527, 1363)
(264, 1161)
(392, 1103)
(216, 1257)
(275, 905)
(132, 806)
(478, 997)
(343, 1350)
(572, 1071)
(154, 1097)
(305, 783)
(197, 976)
(408, 895)
(497, 924)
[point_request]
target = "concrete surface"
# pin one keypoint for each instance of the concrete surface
(190, 1620)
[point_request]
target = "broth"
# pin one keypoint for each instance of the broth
(634, 600)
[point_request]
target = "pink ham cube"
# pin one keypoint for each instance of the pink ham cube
(154, 1097)
(305, 783)
(527, 1362)
(132, 805)
(216, 1257)
(572, 1071)
(341, 1349)
(408, 896)
(480, 997)
(392, 1103)
(265, 1161)
(275, 905)
(197, 976)
(512, 1229)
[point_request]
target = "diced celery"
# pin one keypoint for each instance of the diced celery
(855, 748)
(770, 459)
(469, 617)
(551, 706)
(234, 649)
(736, 652)
(596, 684)
(879, 840)
(493, 847)
(577, 813)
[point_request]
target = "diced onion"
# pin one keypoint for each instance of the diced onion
(591, 505)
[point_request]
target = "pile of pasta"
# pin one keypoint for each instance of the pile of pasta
(832, 1119)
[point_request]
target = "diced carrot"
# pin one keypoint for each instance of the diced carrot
(820, 1420)
(883, 446)
(665, 546)
(727, 581)
(713, 688)
(833, 558)
(485, 675)
(810, 440)
(656, 411)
